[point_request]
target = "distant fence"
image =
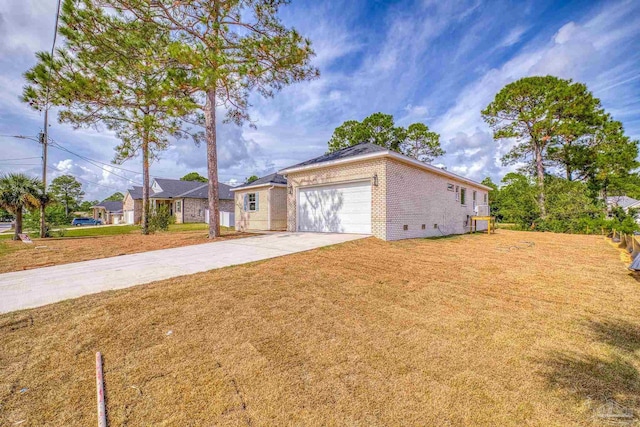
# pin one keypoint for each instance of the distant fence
(629, 243)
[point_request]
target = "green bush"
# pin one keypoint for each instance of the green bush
(54, 217)
(161, 219)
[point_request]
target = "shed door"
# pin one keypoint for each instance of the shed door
(128, 217)
(336, 208)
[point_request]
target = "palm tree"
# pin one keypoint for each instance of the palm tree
(18, 192)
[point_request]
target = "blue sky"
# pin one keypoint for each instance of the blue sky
(431, 61)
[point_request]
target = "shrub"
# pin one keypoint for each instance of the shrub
(160, 219)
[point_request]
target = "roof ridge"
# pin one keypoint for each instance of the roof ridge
(193, 189)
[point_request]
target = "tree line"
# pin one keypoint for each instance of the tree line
(572, 155)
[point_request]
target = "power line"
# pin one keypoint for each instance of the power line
(60, 147)
(20, 158)
(95, 163)
(80, 178)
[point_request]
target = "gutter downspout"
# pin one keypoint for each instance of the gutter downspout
(269, 206)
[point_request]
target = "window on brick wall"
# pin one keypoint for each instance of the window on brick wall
(178, 206)
(457, 193)
(463, 196)
(474, 198)
(485, 197)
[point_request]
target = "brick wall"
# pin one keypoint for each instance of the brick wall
(365, 169)
(405, 195)
(226, 205)
(130, 204)
(278, 205)
(194, 210)
(416, 197)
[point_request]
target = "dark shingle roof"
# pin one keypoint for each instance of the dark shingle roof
(354, 150)
(202, 192)
(622, 201)
(111, 206)
(175, 188)
(135, 192)
(274, 178)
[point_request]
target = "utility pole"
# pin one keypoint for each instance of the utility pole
(45, 136)
(44, 139)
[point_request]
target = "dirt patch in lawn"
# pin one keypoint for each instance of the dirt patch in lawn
(511, 329)
(15, 255)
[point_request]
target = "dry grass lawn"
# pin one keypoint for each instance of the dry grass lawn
(472, 330)
(15, 255)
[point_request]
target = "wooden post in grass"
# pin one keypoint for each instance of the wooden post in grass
(102, 416)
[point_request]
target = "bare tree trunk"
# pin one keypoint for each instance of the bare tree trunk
(567, 160)
(540, 176)
(212, 164)
(145, 183)
(18, 224)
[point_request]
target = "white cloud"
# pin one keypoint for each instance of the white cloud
(575, 51)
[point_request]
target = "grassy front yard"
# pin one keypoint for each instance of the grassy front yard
(81, 244)
(511, 329)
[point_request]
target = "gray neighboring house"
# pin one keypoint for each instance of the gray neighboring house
(623, 202)
(187, 201)
(109, 212)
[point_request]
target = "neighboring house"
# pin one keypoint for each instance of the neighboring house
(108, 212)
(623, 202)
(369, 189)
(187, 201)
(261, 204)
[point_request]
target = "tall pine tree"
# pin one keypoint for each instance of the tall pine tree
(115, 70)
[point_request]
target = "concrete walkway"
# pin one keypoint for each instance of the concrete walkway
(33, 288)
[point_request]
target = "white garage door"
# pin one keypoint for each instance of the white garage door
(128, 217)
(338, 208)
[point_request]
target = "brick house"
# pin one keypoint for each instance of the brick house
(369, 189)
(109, 212)
(187, 201)
(261, 204)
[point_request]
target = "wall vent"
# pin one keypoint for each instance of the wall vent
(405, 227)
(424, 226)
(435, 226)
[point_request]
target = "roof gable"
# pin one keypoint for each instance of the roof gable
(274, 178)
(110, 206)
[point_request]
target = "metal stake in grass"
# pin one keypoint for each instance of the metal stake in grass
(102, 418)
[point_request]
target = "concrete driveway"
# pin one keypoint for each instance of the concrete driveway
(33, 288)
